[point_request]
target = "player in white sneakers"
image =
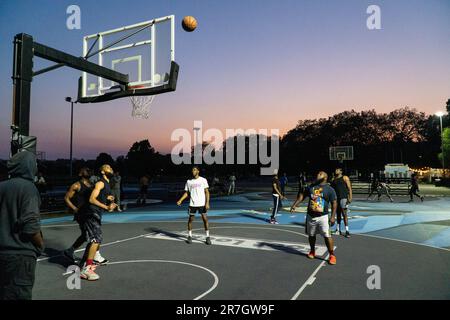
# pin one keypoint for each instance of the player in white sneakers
(197, 190)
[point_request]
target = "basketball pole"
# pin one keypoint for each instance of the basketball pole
(25, 48)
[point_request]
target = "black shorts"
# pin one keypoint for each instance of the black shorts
(144, 189)
(16, 276)
(193, 210)
(91, 228)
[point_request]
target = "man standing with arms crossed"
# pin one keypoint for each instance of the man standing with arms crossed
(343, 187)
(21, 239)
(320, 195)
(100, 202)
(197, 190)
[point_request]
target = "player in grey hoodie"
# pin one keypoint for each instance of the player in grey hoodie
(21, 239)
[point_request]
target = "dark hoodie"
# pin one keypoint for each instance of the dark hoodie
(19, 206)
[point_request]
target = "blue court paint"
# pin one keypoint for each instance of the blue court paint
(372, 216)
(441, 240)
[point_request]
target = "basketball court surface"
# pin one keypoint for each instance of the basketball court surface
(251, 259)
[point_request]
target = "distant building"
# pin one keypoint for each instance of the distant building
(397, 170)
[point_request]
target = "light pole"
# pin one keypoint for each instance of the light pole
(440, 114)
(196, 138)
(69, 99)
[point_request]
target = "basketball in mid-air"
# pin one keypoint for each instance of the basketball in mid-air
(189, 23)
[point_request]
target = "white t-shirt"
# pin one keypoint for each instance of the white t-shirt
(196, 189)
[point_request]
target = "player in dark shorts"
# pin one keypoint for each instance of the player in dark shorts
(144, 182)
(414, 188)
(343, 187)
(373, 187)
(277, 196)
(197, 190)
(77, 200)
(320, 194)
(100, 202)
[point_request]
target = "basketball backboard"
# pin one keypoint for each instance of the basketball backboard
(341, 153)
(144, 51)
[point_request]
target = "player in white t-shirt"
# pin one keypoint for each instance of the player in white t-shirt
(197, 190)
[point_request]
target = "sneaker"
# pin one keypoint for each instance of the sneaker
(69, 255)
(421, 199)
(311, 255)
(88, 273)
(208, 241)
(341, 233)
(332, 259)
(99, 260)
(189, 240)
(273, 221)
(347, 234)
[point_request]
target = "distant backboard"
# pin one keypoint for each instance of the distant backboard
(144, 51)
(341, 153)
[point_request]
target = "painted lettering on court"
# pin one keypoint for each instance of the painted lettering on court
(267, 245)
(74, 280)
(374, 280)
(374, 20)
(74, 19)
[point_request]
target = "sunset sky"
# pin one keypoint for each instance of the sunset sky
(250, 64)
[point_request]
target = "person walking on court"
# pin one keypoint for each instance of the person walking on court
(277, 196)
(232, 187)
(283, 184)
(373, 187)
(384, 188)
(197, 190)
(320, 194)
(21, 241)
(343, 188)
(301, 182)
(116, 181)
(414, 188)
(100, 202)
(144, 182)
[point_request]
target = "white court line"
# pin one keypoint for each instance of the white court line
(103, 245)
(398, 240)
(58, 225)
(290, 226)
(309, 281)
(216, 278)
(262, 228)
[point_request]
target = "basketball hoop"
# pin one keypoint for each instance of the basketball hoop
(141, 104)
(341, 156)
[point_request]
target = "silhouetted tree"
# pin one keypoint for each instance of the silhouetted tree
(103, 158)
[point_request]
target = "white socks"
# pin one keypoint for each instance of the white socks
(346, 228)
(190, 233)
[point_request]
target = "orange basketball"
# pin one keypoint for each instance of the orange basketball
(189, 23)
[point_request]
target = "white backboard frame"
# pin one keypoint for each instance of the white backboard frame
(151, 43)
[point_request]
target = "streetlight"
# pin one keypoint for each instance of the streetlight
(440, 114)
(69, 99)
(196, 139)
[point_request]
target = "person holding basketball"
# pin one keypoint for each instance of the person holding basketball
(77, 200)
(100, 201)
(197, 190)
(320, 195)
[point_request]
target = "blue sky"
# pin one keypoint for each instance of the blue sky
(250, 64)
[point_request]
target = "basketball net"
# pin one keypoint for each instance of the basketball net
(141, 105)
